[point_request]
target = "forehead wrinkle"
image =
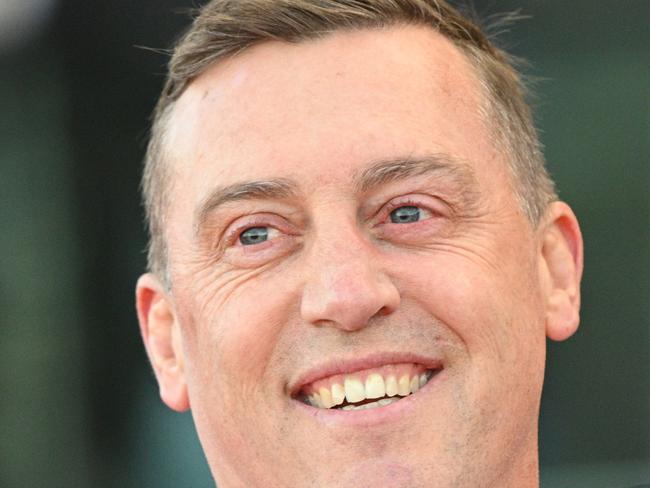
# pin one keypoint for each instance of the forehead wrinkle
(273, 189)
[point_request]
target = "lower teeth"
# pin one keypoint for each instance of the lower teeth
(379, 403)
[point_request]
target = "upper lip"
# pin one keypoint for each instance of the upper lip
(359, 363)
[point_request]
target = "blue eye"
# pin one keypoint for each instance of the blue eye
(254, 235)
(405, 215)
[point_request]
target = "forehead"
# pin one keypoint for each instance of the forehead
(318, 110)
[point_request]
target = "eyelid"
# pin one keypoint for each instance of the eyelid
(421, 201)
(284, 236)
(240, 225)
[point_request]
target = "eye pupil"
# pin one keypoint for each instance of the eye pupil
(404, 215)
(254, 235)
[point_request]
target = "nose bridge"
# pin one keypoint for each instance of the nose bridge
(346, 284)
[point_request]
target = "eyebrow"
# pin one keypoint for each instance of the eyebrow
(443, 165)
(376, 174)
(273, 189)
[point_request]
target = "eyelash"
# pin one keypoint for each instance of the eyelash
(233, 235)
(406, 202)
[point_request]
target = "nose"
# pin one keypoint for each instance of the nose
(346, 287)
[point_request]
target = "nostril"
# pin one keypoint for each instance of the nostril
(385, 311)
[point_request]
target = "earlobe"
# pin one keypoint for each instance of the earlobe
(163, 341)
(562, 262)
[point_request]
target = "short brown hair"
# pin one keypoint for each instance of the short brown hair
(224, 28)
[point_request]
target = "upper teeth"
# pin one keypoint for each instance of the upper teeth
(376, 385)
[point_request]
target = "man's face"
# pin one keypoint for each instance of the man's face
(340, 216)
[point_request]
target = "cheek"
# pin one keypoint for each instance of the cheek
(499, 363)
(234, 335)
(232, 373)
(493, 310)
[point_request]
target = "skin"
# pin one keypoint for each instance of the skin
(472, 283)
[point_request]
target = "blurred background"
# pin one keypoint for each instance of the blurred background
(78, 404)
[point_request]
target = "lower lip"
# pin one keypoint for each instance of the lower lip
(372, 416)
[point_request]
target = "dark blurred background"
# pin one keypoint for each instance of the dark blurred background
(78, 403)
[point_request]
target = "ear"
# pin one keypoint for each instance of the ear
(561, 260)
(163, 341)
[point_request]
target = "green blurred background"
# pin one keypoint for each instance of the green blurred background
(78, 404)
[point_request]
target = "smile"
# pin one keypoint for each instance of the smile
(367, 389)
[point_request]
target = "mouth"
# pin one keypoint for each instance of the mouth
(369, 388)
